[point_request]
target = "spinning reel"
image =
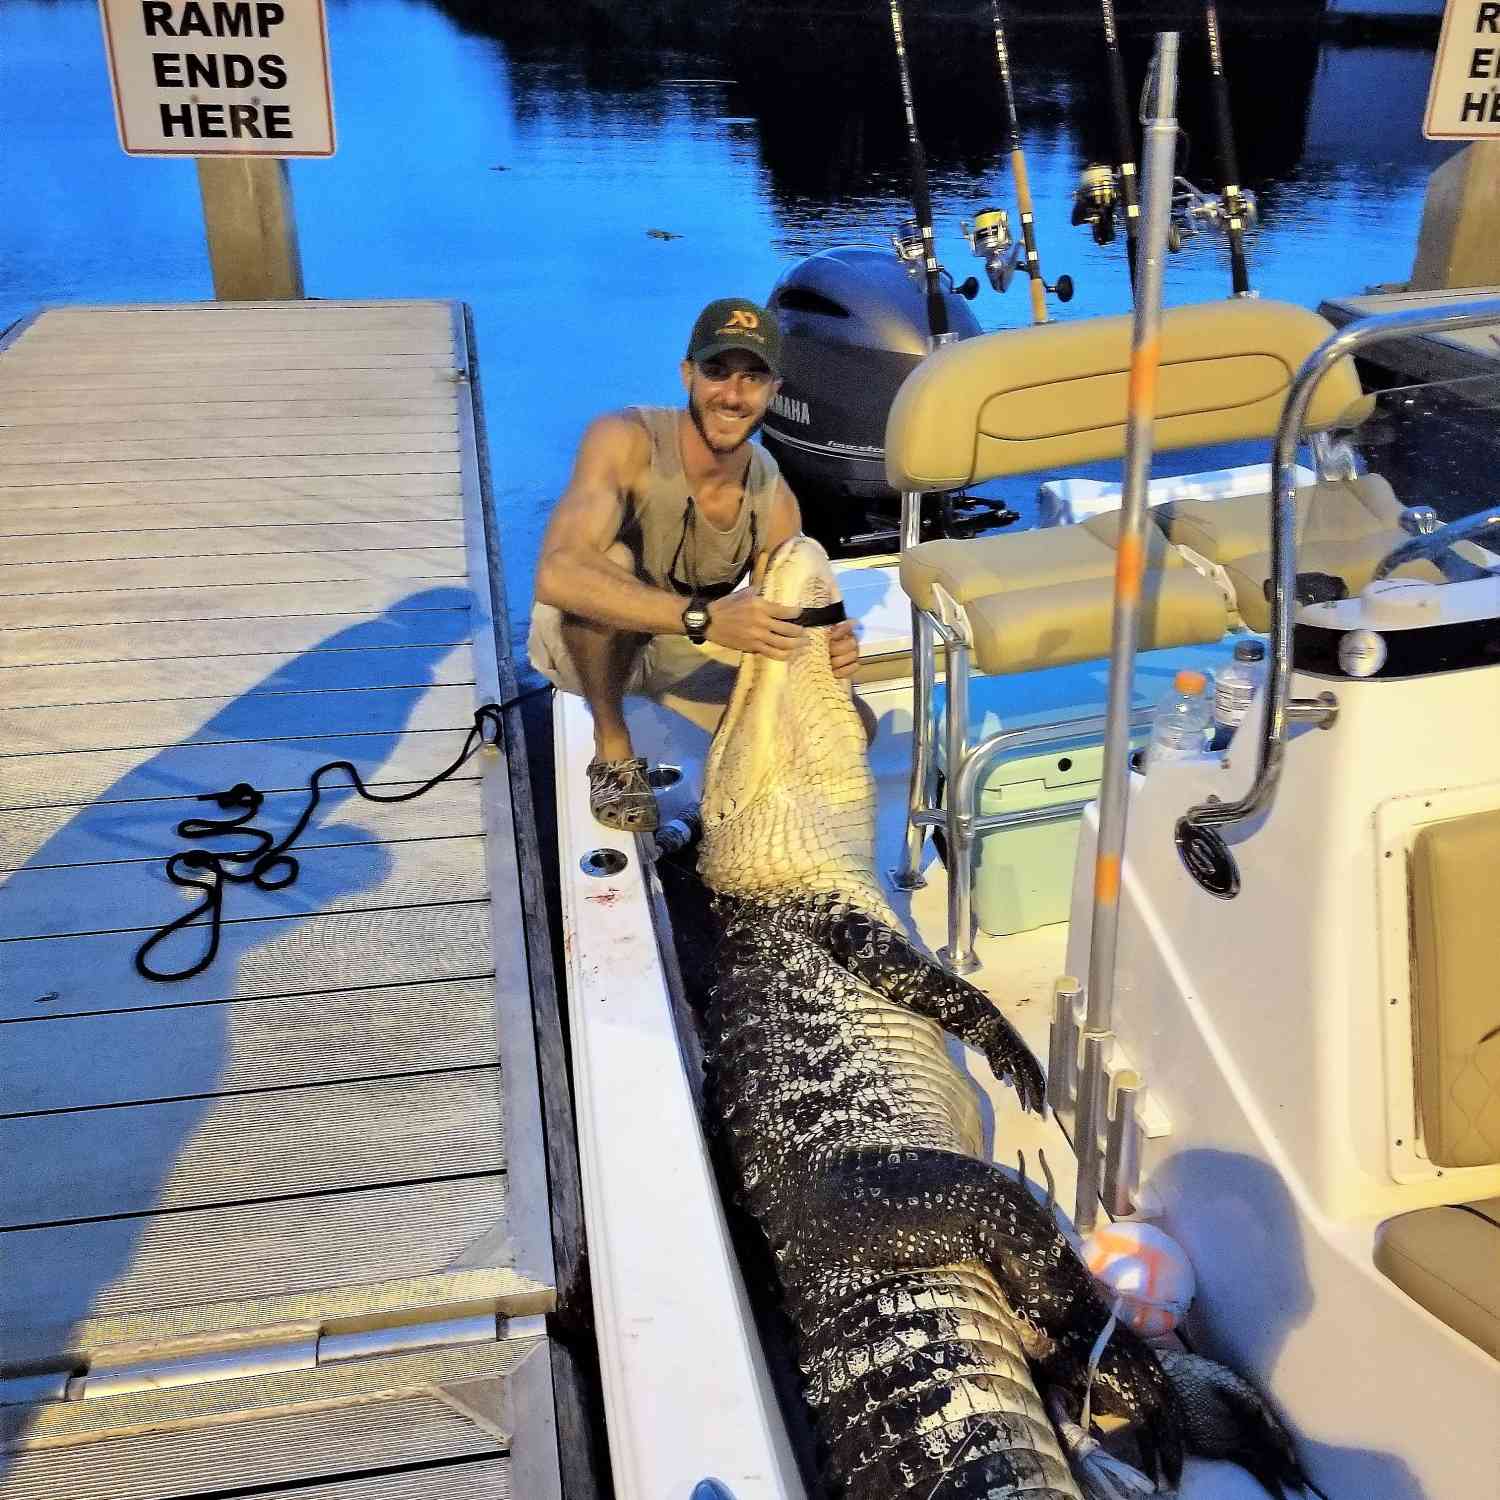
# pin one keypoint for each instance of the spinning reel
(1096, 201)
(911, 251)
(1194, 210)
(991, 240)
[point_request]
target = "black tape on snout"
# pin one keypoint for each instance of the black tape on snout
(829, 614)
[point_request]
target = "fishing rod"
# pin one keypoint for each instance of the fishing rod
(1098, 194)
(999, 249)
(1234, 202)
(937, 311)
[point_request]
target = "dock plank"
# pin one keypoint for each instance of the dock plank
(44, 411)
(248, 1251)
(281, 1450)
(69, 779)
(119, 833)
(196, 721)
(134, 1057)
(59, 684)
(338, 492)
(143, 1158)
(203, 603)
(308, 466)
(229, 517)
(20, 579)
(138, 896)
(140, 543)
(281, 956)
(82, 447)
(277, 635)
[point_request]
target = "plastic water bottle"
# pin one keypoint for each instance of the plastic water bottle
(679, 833)
(1182, 720)
(1235, 690)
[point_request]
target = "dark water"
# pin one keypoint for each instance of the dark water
(785, 138)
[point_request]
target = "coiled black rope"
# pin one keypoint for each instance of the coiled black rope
(266, 864)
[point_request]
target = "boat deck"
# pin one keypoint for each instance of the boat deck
(309, 1185)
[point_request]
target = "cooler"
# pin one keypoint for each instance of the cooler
(1023, 877)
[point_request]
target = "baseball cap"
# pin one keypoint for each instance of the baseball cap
(736, 323)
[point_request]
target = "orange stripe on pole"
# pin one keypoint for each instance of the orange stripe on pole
(1107, 879)
(1143, 366)
(1130, 563)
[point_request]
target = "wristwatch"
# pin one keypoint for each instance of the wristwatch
(695, 621)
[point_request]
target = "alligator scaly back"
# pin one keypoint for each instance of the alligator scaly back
(924, 1283)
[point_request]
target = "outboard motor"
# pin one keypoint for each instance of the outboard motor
(853, 327)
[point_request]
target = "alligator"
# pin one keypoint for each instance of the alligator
(924, 1284)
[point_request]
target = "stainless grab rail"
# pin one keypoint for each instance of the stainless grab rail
(1280, 707)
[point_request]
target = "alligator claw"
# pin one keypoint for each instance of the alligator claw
(884, 959)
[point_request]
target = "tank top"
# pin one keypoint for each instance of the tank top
(674, 546)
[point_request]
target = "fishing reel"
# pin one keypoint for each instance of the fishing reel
(990, 239)
(911, 251)
(1095, 201)
(1194, 210)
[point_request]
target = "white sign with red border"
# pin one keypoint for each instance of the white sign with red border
(1463, 102)
(220, 77)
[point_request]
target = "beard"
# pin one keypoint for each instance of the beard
(721, 450)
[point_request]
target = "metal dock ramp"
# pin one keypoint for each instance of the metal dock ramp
(284, 1225)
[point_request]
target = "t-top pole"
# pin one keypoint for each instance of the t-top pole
(1159, 157)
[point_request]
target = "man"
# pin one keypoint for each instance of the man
(668, 515)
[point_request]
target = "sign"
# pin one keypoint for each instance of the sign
(220, 77)
(1463, 103)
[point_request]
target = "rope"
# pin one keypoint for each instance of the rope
(267, 865)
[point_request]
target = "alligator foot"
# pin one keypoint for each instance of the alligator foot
(895, 1207)
(882, 958)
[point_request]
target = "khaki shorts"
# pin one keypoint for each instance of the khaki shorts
(668, 666)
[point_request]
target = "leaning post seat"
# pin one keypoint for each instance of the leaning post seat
(1038, 399)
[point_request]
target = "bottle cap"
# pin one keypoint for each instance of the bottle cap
(1188, 681)
(1249, 650)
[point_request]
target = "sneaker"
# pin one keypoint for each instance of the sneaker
(620, 796)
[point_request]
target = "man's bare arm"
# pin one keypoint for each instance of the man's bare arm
(573, 573)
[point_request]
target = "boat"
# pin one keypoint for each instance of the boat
(1298, 1091)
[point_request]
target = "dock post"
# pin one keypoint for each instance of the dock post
(1459, 242)
(251, 227)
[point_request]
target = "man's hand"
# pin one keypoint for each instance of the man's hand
(743, 621)
(843, 649)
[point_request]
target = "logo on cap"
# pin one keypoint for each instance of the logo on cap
(741, 318)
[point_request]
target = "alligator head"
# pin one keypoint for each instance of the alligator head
(788, 798)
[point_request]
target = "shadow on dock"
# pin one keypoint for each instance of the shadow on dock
(112, 1081)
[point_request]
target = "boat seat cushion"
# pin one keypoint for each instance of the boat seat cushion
(1344, 528)
(1455, 888)
(970, 570)
(1023, 629)
(1448, 1259)
(1338, 510)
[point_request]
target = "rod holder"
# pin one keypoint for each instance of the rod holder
(1087, 1122)
(1062, 1044)
(1122, 1149)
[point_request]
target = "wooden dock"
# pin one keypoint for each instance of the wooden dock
(285, 1224)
